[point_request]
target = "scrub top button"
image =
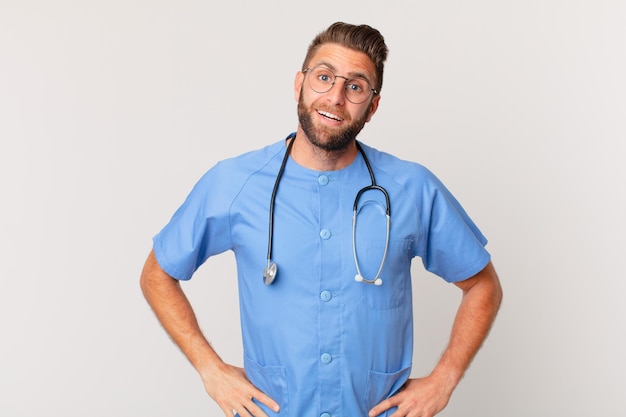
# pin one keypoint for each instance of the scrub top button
(326, 295)
(325, 234)
(322, 180)
(324, 415)
(326, 358)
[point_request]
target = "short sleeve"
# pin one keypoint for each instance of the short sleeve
(451, 245)
(198, 229)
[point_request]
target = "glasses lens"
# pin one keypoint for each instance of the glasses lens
(357, 90)
(322, 79)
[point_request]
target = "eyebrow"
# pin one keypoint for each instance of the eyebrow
(350, 74)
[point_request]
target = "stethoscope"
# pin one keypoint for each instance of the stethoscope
(271, 270)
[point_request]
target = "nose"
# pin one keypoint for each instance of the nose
(338, 91)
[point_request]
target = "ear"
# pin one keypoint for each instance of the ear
(373, 107)
(297, 85)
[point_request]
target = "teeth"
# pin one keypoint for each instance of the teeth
(329, 115)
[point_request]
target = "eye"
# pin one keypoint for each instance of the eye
(324, 77)
(356, 86)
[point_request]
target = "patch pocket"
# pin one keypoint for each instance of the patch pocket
(396, 271)
(382, 385)
(271, 380)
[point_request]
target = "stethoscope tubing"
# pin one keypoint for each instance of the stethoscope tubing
(271, 270)
(273, 200)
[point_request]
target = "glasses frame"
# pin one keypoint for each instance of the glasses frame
(372, 91)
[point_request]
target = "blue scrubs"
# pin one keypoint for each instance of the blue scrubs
(316, 341)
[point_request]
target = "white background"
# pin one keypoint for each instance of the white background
(110, 111)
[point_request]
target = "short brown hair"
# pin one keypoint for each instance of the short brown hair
(361, 38)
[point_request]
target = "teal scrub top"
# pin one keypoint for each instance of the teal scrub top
(316, 341)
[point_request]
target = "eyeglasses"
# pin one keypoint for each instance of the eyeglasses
(357, 90)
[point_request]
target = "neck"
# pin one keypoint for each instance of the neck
(318, 159)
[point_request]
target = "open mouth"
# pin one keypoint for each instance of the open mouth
(330, 116)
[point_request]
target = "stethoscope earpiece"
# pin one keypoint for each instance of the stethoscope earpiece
(359, 278)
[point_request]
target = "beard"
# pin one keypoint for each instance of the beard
(328, 139)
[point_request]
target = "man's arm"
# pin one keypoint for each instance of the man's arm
(425, 397)
(226, 384)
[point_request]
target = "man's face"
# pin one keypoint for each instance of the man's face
(329, 120)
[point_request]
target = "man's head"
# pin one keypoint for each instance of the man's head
(361, 38)
(351, 58)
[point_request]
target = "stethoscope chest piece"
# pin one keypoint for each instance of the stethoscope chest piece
(269, 273)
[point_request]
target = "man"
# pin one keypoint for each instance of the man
(317, 342)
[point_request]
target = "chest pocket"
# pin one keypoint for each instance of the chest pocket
(395, 274)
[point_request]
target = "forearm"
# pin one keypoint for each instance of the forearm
(226, 384)
(481, 300)
(174, 312)
(429, 395)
